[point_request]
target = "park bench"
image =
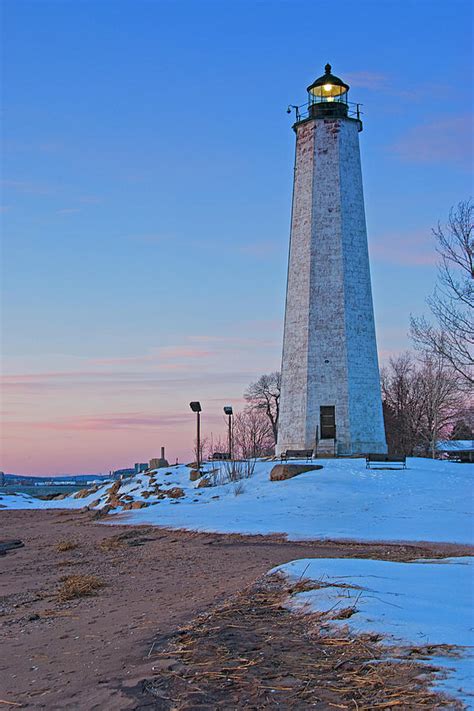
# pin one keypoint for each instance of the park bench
(220, 456)
(296, 454)
(386, 461)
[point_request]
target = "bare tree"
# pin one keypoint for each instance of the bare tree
(440, 399)
(253, 434)
(264, 395)
(422, 400)
(401, 404)
(451, 336)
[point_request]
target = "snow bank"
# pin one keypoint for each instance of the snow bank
(426, 602)
(429, 501)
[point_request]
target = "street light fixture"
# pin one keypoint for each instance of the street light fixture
(196, 407)
(228, 411)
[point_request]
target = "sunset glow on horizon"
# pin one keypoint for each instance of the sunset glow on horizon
(146, 198)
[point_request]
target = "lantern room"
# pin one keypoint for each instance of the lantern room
(327, 96)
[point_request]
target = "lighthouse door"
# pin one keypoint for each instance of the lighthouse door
(328, 421)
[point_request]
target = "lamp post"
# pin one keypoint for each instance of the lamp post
(196, 407)
(228, 411)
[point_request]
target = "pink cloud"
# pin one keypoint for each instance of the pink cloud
(68, 211)
(29, 187)
(414, 249)
(264, 248)
(366, 80)
(157, 356)
(447, 141)
(110, 422)
(234, 341)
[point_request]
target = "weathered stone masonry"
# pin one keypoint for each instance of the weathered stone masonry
(329, 349)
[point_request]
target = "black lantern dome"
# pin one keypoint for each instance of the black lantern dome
(328, 86)
(327, 96)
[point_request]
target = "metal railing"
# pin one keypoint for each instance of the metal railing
(303, 111)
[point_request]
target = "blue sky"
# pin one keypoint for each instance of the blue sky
(147, 168)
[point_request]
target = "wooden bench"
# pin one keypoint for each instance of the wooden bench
(296, 454)
(220, 456)
(385, 461)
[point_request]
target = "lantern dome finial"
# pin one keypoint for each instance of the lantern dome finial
(328, 68)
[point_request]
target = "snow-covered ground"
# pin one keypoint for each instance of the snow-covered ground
(428, 602)
(429, 501)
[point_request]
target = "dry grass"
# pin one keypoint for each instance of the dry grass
(74, 586)
(111, 543)
(64, 546)
(253, 653)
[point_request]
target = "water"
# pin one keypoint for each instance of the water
(41, 489)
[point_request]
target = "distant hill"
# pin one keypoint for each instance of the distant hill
(72, 478)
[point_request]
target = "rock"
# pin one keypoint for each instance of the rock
(114, 488)
(205, 481)
(288, 471)
(138, 505)
(195, 474)
(175, 493)
(82, 493)
(99, 513)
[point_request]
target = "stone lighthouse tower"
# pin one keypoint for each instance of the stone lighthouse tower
(330, 397)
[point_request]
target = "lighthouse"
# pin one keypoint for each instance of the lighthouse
(330, 389)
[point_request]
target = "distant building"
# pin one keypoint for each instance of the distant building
(460, 449)
(140, 467)
(158, 462)
(120, 473)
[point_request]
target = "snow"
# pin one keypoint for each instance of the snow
(456, 445)
(425, 602)
(429, 501)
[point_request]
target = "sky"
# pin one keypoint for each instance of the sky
(147, 162)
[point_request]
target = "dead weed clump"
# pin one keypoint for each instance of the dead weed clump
(74, 586)
(64, 546)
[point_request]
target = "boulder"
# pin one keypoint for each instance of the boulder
(138, 505)
(114, 488)
(288, 471)
(205, 481)
(175, 493)
(195, 474)
(82, 493)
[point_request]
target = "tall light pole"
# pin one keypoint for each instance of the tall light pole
(196, 407)
(228, 411)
